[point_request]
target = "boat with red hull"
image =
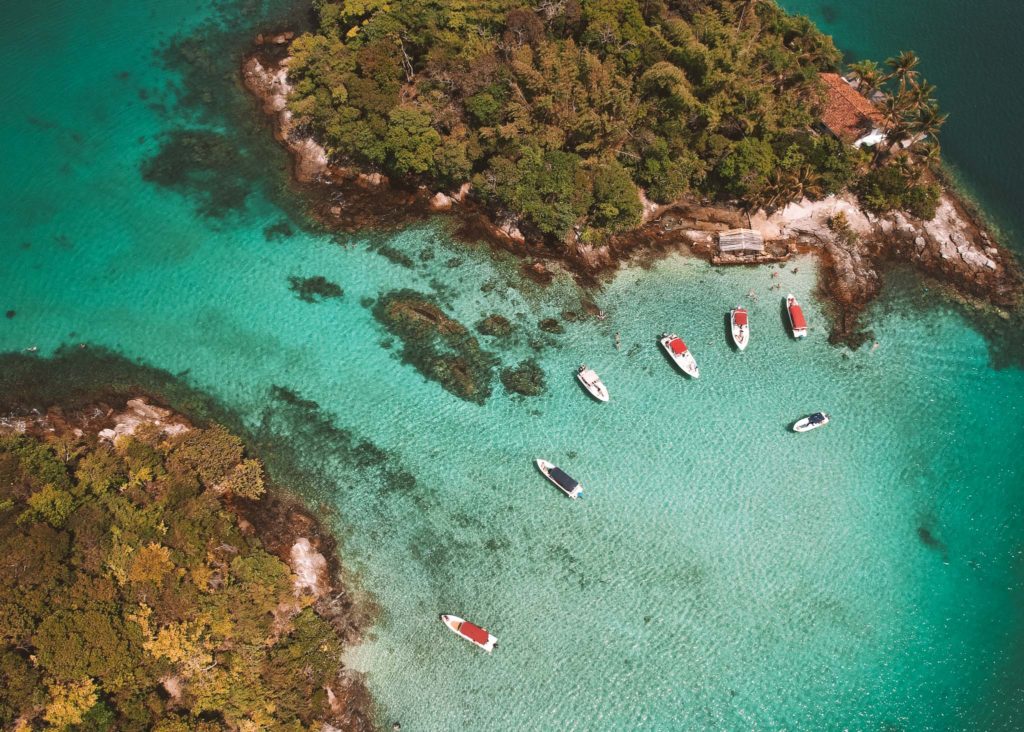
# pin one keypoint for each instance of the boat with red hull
(680, 354)
(739, 326)
(797, 322)
(471, 632)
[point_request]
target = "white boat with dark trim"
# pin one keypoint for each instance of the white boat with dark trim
(739, 327)
(567, 484)
(797, 323)
(680, 354)
(473, 633)
(592, 383)
(811, 422)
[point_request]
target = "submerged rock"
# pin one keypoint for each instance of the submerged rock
(314, 289)
(551, 325)
(495, 325)
(439, 347)
(527, 379)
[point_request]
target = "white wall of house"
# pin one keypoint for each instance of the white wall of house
(872, 138)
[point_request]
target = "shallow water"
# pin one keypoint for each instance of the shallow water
(721, 573)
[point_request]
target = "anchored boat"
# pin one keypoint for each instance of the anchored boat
(796, 317)
(473, 633)
(680, 354)
(811, 422)
(740, 328)
(567, 484)
(592, 383)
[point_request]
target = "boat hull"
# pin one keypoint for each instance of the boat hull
(593, 384)
(546, 467)
(455, 624)
(806, 425)
(740, 333)
(684, 361)
(797, 324)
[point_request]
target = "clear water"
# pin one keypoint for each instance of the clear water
(722, 572)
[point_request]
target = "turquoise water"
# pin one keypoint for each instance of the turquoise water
(971, 50)
(722, 573)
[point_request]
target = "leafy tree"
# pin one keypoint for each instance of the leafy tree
(411, 141)
(744, 171)
(208, 453)
(100, 471)
(69, 701)
(246, 480)
(49, 504)
(150, 563)
(616, 204)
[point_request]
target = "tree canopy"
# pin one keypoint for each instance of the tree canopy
(560, 110)
(131, 599)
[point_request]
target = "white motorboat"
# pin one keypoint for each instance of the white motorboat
(797, 323)
(568, 485)
(592, 383)
(739, 327)
(680, 354)
(811, 422)
(473, 633)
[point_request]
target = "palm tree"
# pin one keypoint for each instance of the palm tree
(893, 109)
(928, 153)
(806, 182)
(927, 123)
(870, 76)
(904, 68)
(920, 96)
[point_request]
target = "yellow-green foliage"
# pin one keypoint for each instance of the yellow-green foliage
(125, 567)
(559, 111)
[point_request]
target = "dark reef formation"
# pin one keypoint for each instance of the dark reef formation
(526, 379)
(314, 289)
(440, 348)
(495, 325)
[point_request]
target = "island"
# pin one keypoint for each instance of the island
(151, 582)
(587, 132)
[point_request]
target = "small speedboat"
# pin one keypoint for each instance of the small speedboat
(567, 484)
(740, 328)
(811, 422)
(796, 317)
(473, 633)
(680, 354)
(592, 383)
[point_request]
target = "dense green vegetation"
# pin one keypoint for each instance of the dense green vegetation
(131, 600)
(558, 111)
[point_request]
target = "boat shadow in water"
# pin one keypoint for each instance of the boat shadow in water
(784, 319)
(727, 327)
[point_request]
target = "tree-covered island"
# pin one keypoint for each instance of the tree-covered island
(561, 112)
(136, 594)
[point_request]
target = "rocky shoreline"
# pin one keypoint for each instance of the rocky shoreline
(278, 520)
(854, 246)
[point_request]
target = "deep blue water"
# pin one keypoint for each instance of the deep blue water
(971, 51)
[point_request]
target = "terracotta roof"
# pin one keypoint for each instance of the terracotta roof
(847, 114)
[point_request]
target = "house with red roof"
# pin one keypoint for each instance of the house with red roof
(848, 115)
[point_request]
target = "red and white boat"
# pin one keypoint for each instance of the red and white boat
(473, 633)
(796, 317)
(740, 328)
(680, 354)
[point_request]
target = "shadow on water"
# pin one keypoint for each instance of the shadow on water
(219, 170)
